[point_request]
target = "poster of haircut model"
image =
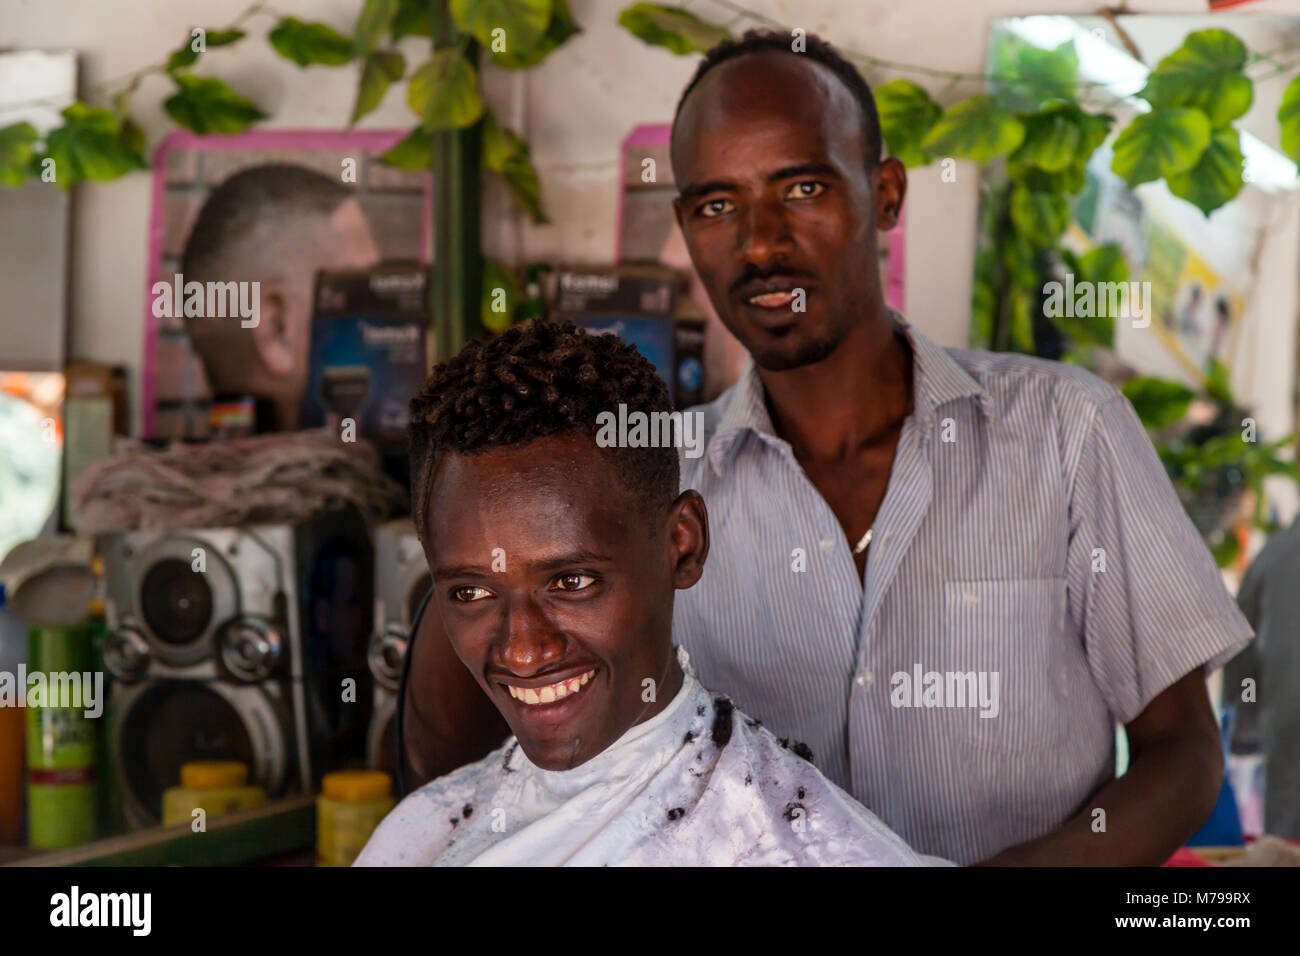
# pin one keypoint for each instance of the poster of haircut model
(240, 228)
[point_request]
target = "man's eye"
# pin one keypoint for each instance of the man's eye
(713, 208)
(574, 582)
(467, 594)
(807, 189)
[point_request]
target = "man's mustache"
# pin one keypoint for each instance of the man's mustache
(755, 275)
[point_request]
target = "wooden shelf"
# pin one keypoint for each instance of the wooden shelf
(275, 830)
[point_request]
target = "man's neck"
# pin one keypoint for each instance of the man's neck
(851, 399)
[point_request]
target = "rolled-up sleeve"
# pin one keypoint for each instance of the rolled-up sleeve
(1149, 598)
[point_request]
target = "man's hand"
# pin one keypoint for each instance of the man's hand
(1173, 781)
(447, 720)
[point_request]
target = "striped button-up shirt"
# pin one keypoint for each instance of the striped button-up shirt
(1032, 579)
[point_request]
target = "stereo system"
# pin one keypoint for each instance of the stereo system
(242, 643)
(401, 582)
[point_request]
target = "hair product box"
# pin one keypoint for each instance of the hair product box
(368, 356)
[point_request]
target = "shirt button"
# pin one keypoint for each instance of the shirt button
(826, 543)
(864, 678)
(970, 596)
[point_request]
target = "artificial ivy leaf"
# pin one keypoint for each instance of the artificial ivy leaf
(524, 21)
(525, 187)
(412, 19)
(983, 308)
(1026, 76)
(443, 92)
(375, 20)
(1216, 177)
(1060, 135)
(90, 145)
(17, 147)
(1226, 550)
(1159, 144)
(380, 70)
(1206, 73)
(1022, 321)
(223, 37)
(1018, 260)
(505, 153)
(975, 128)
(207, 105)
(675, 28)
(186, 56)
(182, 57)
(413, 152)
(1039, 217)
(310, 43)
(561, 28)
(497, 276)
(1157, 401)
(906, 115)
(1104, 263)
(1288, 117)
(132, 137)
(1218, 384)
(499, 143)
(1067, 182)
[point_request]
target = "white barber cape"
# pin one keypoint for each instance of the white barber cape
(698, 784)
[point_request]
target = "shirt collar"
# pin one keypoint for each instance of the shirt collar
(937, 380)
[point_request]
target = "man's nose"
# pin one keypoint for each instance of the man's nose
(766, 233)
(531, 642)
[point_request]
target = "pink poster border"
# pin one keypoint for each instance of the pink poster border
(367, 141)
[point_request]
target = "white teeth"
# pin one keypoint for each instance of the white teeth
(552, 692)
(769, 298)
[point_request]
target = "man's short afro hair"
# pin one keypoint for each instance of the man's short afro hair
(815, 48)
(533, 380)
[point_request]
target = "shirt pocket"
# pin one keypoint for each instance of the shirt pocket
(1010, 635)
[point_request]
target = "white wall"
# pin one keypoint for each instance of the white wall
(574, 109)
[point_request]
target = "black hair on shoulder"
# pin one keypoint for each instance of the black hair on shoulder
(533, 380)
(815, 48)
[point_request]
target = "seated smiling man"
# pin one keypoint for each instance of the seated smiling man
(554, 563)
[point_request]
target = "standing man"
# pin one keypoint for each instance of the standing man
(950, 573)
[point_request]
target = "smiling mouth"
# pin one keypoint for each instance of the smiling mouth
(536, 696)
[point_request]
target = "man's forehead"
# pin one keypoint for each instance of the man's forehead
(769, 94)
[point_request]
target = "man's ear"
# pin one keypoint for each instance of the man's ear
(891, 188)
(690, 537)
(273, 336)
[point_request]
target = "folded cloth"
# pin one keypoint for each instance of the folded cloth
(276, 477)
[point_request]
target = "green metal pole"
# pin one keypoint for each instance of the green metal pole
(455, 275)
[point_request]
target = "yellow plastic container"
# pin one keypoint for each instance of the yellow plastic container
(351, 804)
(214, 786)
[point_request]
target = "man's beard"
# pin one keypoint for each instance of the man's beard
(808, 353)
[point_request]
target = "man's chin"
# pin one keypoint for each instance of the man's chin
(555, 755)
(793, 353)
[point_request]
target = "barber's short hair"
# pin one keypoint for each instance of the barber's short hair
(762, 41)
(273, 192)
(533, 380)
